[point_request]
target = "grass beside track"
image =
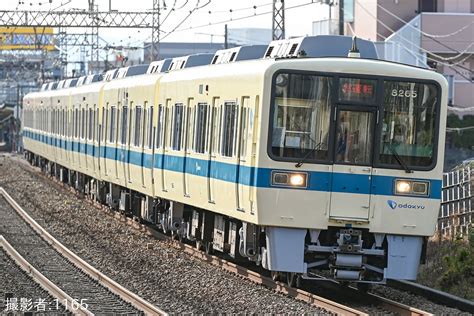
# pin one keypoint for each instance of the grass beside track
(450, 266)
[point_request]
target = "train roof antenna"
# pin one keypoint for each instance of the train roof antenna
(354, 51)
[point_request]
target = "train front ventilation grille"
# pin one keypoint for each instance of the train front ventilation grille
(293, 49)
(269, 51)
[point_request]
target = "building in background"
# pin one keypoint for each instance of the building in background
(249, 36)
(429, 33)
(456, 214)
(171, 49)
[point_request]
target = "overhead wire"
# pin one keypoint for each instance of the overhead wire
(240, 18)
(451, 65)
(433, 37)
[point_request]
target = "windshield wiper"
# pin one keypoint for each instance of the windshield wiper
(399, 159)
(300, 163)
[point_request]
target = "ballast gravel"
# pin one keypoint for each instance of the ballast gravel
(19, 293)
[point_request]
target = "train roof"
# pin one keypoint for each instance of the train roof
(190, 61)
(319, 46)
(159, 66)
(238, 53)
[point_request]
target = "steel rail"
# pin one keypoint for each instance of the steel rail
(398, 308)
(434, 295)
(98, 276)
(43, 281)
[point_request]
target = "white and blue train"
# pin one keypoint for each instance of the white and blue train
(302, 160)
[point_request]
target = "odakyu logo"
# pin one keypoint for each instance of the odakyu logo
(393, 205)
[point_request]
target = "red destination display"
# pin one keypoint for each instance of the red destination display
(356, 89)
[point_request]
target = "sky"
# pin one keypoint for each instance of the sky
(298, 20)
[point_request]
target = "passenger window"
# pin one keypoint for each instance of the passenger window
(150, 127)
(159, 128)
(243, 133)
(228, 129)
(177, 126)
(201, 128)
(76, 123)
(91, 121)
(105, 118)
(96, 120)
(124, 132)
(83, 123)
(138, 126)
(112, 124)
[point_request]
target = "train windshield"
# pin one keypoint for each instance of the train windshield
(409, 123)
(301, 117)
(404, 136)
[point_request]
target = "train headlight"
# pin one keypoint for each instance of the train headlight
(411, 187)
(297, 180)
(402, 186)
(290, 179)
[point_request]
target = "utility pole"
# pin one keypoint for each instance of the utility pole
(341, 17)
(226, 37)
(155, 32)
(94, 36)
(278, 23)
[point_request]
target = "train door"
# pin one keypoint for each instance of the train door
(165, 141)
(103, 135)
(188, 128)
(145, 138)
(124, 139)
(213, 147)
(243, 170)
(96, 140)
(352, 169)
(142, 132)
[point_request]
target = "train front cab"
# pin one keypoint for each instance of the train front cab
(352, 180)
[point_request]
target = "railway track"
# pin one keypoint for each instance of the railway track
(82, 288)
(381, 304)
(19, 291)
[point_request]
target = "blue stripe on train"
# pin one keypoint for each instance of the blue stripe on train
(258, 177)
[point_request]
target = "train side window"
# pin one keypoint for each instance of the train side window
(201, 127)
(124, 124)
(113, 123)
(83, 123)
(228, 129)
(105, 114)
(150, 127)
(96, 119)
(76, 123)
(159, 129)
(138, 126)
(91, 121)
(177, 126)
(243, 133)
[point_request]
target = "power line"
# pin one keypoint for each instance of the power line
(433, 37)
(419, 47)
(424, 33)
(241, 18)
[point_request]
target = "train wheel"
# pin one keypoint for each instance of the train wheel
(275, 275)
(208, 248)
(198, 244)
(293, 279)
